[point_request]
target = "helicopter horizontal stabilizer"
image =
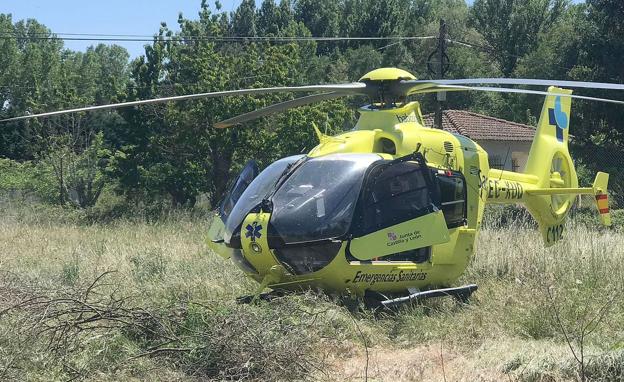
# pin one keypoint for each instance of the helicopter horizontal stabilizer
(599, 190)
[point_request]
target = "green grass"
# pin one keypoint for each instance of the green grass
(166, 311)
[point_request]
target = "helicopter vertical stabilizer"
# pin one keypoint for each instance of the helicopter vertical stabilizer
(550, 144)
(602, 198)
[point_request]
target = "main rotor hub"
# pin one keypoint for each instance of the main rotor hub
(383, 86)
(387, 74)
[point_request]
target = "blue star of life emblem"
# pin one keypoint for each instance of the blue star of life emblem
(253, 231)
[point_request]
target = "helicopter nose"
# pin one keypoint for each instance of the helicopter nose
(254, 244)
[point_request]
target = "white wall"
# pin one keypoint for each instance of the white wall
(517, 151)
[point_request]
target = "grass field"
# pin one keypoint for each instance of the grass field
(132, 300)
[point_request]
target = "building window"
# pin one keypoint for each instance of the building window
(515, 166)
(496, 162)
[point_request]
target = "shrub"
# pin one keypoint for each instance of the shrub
(27, 181)
(80, 178)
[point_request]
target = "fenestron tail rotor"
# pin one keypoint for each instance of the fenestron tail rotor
(560, 177)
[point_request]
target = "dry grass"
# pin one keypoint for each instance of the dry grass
(531, 303)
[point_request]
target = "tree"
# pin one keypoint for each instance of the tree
(38, 75)
(174, 149)
(244, 19)
(80, 177)
(273, 19)
(511, 27)
(598, 54)
(321, 18)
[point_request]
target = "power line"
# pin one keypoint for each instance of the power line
(48, 34)
(146, 38)
(467, 44)
(124, 86)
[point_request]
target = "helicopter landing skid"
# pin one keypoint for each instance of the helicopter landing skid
(462, 293)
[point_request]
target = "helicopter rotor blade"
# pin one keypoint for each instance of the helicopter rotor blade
(515, 81)
(279, 107)
(443, 88)
(403, 87)
(354, 88)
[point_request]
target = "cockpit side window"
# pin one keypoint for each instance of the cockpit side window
(247, 175)
(451, 188)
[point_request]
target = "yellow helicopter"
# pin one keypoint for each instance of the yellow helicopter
(390, 210)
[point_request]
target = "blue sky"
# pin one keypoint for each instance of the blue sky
(138, 17)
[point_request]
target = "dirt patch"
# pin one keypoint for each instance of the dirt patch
(430, 362)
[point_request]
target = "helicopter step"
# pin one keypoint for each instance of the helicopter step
(462, 293)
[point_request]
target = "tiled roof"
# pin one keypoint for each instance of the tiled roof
(482, 127)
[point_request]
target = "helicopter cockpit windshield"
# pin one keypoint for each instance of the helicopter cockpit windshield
(318, 200)
(257, 190)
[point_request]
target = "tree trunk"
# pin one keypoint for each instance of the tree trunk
(220, 178)
(61, 183)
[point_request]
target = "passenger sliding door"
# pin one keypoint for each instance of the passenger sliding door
(396, 212)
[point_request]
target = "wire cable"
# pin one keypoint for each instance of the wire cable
(150, 38)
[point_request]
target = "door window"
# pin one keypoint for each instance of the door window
(451, 188)
(394, 193)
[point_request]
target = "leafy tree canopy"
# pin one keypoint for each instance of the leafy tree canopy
(172, 151)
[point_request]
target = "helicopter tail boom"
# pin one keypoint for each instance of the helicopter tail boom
(549, 183)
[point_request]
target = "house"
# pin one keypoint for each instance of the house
(507, 143)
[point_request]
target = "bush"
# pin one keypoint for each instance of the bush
(507, 216)
(212, 340)
(26, 181)
(588, 216)
(80, 178)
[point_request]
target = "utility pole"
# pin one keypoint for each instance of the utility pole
(443, 62)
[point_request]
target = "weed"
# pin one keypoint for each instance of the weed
(175, 317)
(151, 265)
